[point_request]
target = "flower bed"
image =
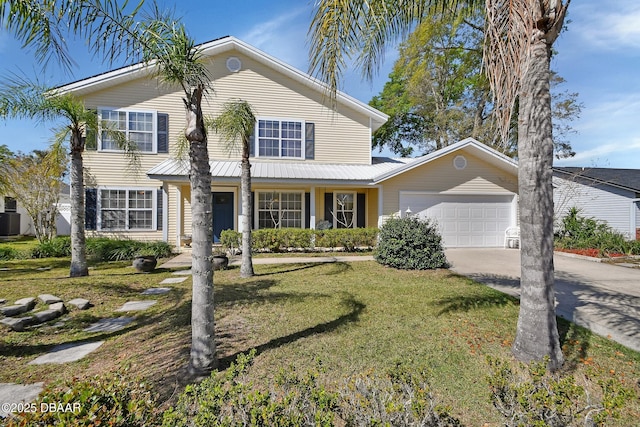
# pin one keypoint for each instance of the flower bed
(595, 253)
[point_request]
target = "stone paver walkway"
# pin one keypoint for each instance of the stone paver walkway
(67, 353)
(136, 305)
(156, 291)
(109, 325)
(17, 393)
(172, 280)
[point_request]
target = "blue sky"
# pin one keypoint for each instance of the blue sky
(599, 56)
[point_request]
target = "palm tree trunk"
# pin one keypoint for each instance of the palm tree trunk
(246, 268)
(203, 349)
(537, 331)
(79, 266)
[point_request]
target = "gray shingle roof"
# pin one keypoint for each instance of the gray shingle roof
(625, 178)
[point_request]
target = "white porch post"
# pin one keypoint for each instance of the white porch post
(239, 210)
(380, 206)
(178, 215)
(312, 208)
(165, 212)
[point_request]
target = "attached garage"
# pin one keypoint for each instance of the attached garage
(464, 220)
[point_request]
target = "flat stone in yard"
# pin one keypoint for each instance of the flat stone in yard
(156, 291)
(26, 301)
(136, 305)
(67, 353)
(14, 310)
(17, 323)
(182, 273)
(49, 299)
(80, 303)
(109, 325)
(170, 280)
(18, 393)
(46, 315)
(59, 307)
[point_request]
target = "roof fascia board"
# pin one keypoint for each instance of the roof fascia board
(508, 162)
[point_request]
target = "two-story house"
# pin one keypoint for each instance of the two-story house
(310, 163)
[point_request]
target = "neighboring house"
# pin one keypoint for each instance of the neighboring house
(610, 195)
(309, 163)
(14, 219)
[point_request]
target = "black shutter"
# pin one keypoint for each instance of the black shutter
(91, 209)
(252, 210)
(91, 138)
(252, 144)
(310, 140)
(160, 209)
(328, 207)
(307, 210)
(163, 133)
(361, 207)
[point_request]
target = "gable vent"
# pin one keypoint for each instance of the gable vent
(233, 64)
(459, 162)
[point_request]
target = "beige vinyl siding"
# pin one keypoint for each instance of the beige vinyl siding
(340, 137)
(440, 176)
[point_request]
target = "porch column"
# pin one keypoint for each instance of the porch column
(312, 208)
(239, 210)
(380, 206)
(178, 215)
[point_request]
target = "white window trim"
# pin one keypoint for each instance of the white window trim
(280, 156)
(256, 210)
(154, 209)
(154, 131)
(355, 208)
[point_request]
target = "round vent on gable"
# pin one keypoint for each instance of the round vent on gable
(459, 162)
(233, 64)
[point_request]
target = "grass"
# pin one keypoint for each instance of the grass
(349, 317)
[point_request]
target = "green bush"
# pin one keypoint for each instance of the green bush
(8, 253)
(578, 232)
(401, 398)
(113, 400)
(410, 244)
(231, 240)
(58, 247)
(107, 249)
(535, 397)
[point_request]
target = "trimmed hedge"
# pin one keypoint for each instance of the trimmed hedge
(288, 239)
(410, 244)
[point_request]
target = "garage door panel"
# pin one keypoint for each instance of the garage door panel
(464, 220)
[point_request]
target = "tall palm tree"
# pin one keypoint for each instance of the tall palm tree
(20, 98)
(237, 121)
(520, 35)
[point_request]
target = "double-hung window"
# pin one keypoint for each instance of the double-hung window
(138, 127)
(280, 138)
(344, 210)
(126, 209)
(278, 209)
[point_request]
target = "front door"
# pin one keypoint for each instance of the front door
(222, 213)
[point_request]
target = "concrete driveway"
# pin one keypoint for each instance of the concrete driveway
(602, 297)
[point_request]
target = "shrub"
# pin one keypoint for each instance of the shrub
(7, 253)
(410, 243)
(231, 240)
(57, 247)
(106, 249)
(401, 398)
(113, 400)
(534, 397)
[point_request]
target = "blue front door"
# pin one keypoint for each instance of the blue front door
(222, 213)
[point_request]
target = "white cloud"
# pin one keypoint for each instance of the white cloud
(604, 152)
(611, 27)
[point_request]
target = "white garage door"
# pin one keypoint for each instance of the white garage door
(464, 221)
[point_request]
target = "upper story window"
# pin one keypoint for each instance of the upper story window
(147, 129)
(281, 138)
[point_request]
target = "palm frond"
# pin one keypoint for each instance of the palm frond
(235, 123)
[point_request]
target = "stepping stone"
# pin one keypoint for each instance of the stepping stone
(170, 280)
(182, 273)
(17, 323)
(14, 310)
(26, 301)
(46, 315)
(156, 291)
(109, 325)
(80, 303)
(67, 353)
(49, 299)
(136, 305)
(18, 393)
(59, 307)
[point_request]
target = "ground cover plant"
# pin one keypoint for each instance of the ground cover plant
(341, 321)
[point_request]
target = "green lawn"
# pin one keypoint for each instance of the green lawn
(350, 317)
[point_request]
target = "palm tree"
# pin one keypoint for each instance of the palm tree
(20, 98)
(237, 121)
(520, 35)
